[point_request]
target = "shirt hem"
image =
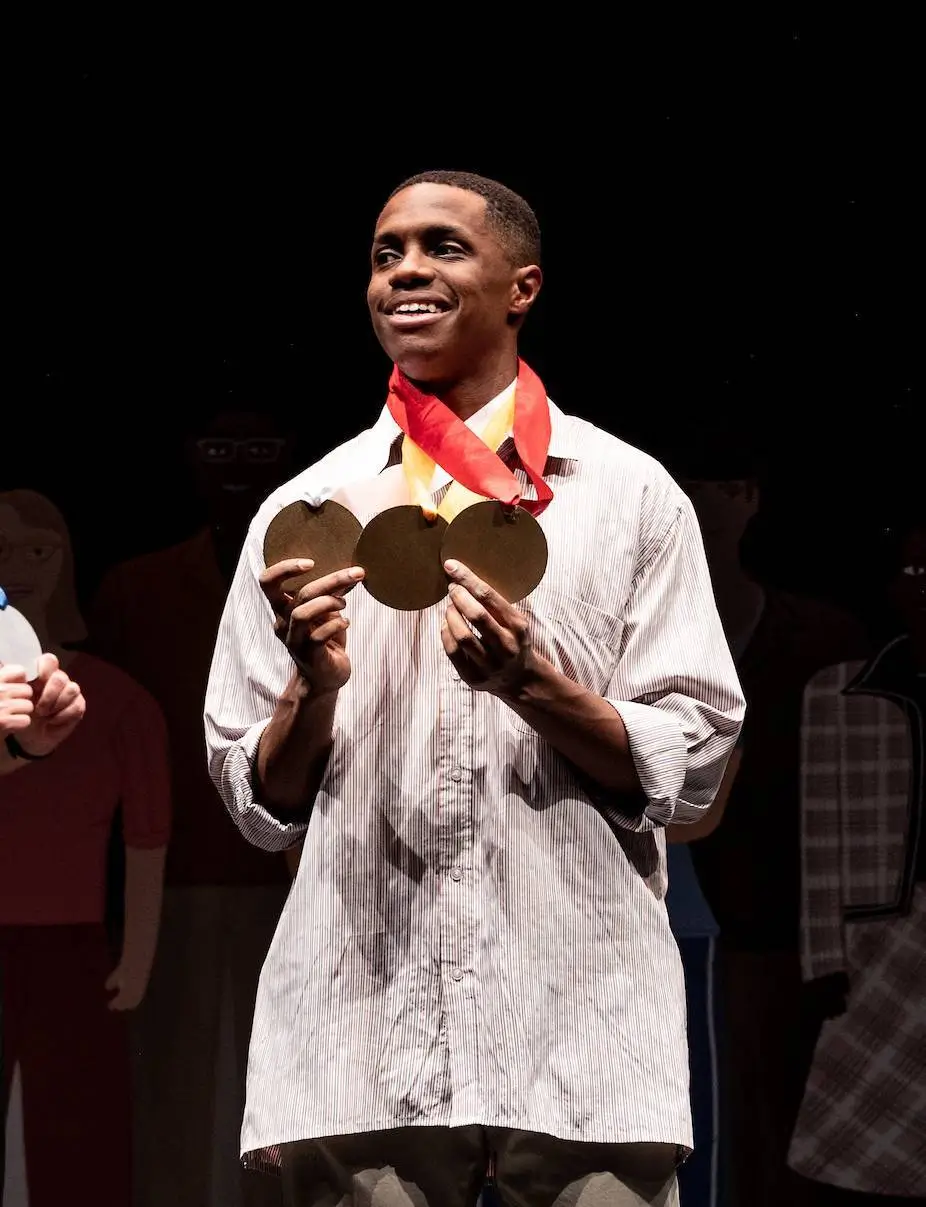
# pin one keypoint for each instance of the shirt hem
(267, 1158)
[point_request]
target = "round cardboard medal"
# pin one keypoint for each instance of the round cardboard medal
(19, 644)
(503, 546)
(400, 550)
(328, 534)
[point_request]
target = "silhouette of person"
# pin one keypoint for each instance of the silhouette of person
(66, 990)
(862, 1122)
(748, 867)
(222, 896)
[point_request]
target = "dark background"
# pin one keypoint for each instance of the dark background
(732, 227)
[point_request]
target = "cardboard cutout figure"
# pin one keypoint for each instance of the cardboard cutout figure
(862, 1121)
(67, 981)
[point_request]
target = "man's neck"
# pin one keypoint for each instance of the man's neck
(467, 396)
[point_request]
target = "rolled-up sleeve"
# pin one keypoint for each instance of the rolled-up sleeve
(250, 669)
(675, 685)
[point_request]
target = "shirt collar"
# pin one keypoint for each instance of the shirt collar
(387, 433)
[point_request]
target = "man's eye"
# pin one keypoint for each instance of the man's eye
(384, 255)
(449, 249)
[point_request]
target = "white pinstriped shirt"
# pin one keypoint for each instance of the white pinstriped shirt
(476, 934)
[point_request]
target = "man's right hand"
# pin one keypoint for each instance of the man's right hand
(310, 623)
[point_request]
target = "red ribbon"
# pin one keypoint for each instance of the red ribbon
(447, 440)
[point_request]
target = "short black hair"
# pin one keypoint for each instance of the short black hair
(506, 211)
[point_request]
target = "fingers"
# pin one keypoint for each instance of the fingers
(331, 628)
(310, 618)
(16, 704)
(314, 609)
(460, 642)
(68, 713)
(494, 635)
(15, 691)
(338, 583)
(11, 672)
(45, 666)
(274, 577)
(479, 590)
(15, 715)
(50, 693)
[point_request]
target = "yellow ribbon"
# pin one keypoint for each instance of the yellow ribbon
(419, 469)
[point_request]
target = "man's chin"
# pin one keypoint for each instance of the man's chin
(422, 366)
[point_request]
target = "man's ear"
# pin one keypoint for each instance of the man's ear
(524, 291)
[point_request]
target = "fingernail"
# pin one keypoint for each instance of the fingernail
(306, 563)
(356, 572)
(452, 566)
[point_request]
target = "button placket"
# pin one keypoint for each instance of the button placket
(457, 921)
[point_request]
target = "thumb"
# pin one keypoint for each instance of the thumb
(114, 980)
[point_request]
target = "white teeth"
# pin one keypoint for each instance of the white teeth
(415, 307)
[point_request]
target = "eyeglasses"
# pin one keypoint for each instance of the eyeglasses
(223, 450)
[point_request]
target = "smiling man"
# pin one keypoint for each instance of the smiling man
(474, 968)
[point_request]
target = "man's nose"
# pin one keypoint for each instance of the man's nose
(413, 268)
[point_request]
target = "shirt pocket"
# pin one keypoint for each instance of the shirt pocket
(580, 639)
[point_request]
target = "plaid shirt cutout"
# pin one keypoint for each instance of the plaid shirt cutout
(862, 1124)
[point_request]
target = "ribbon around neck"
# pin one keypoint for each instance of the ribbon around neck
(434, 434)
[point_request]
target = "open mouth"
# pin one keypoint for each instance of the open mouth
(411, 315)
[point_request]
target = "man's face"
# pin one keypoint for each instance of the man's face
(443, 294)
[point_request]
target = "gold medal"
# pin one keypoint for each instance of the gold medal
(504, 546)
(328, 534)
(400, 552)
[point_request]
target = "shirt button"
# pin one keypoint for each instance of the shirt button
(456, 874)
(456, 774)
(455, 676)
(457, 974)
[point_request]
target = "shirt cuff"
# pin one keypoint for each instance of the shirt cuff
(255, 821)
(660, 756)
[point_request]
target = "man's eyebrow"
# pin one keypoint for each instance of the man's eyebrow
(432, 233)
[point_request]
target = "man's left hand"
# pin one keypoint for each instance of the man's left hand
(484, 636)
